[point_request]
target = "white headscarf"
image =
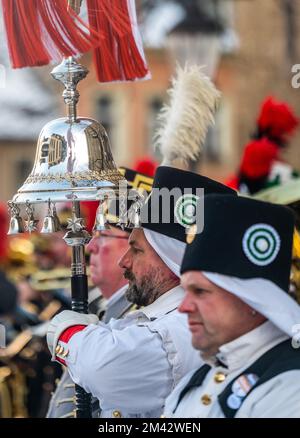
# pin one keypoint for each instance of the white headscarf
(170, 250)
(265, 297)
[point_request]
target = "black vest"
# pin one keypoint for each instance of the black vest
(281, 358)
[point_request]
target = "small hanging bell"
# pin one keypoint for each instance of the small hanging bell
(16, 222)
(101, 223)
(134, 215)
(49, 225)
(137, 219)
(51, 222)
(15, 226)
(122, 213)
(58, 226)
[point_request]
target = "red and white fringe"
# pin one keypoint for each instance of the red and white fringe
(41, 31)
(120, 55)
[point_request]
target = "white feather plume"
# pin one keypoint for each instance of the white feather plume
(185, 121)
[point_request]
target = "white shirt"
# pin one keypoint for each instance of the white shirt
(132, 364)
(278, 397)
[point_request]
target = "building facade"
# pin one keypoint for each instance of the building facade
(259, 64)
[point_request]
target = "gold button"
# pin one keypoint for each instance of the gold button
(219, 377)
(206, 399)
(59, 349)
(65, 353)
(117, 414)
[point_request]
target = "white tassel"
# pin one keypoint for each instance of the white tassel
(185, 121)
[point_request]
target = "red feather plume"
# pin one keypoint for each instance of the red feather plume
(258, 158)
(277, 119)
(147, 166)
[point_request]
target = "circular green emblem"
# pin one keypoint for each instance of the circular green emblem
(186, 209)
(261, 244)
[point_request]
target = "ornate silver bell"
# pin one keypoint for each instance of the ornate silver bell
(16, 222)
(51, 222)
(73, 159)
(101, 223)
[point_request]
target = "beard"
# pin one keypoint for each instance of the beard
(146, 290)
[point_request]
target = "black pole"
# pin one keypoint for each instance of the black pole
(79, 292)
(80, 304)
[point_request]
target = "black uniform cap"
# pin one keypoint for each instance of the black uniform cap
(171, 178)
(243, 238)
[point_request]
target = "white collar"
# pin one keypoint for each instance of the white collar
(249, 347)
(164, 304)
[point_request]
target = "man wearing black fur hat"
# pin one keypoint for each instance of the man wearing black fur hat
(241, 317)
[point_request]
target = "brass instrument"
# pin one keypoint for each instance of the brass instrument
(12, 392)
(58, 278)
(6, 408)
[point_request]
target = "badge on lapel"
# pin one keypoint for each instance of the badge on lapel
(240, 388)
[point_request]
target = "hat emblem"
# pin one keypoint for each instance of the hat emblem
(185, 210)
(261, 244)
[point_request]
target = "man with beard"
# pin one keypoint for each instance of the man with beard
(132, 364)
(107, 299)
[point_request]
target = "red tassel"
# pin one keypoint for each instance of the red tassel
(40, 31)
(277, 119)
(23, 33)
(118, 57)
(258, 158)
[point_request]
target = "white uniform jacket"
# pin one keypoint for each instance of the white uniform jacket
(276, 397)
(132, 364)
